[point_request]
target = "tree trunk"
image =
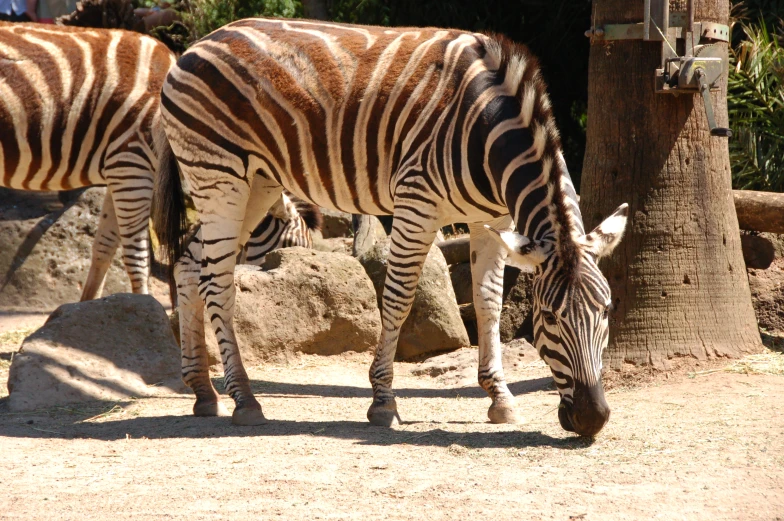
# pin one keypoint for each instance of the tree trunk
(315, 9)
(678, 279)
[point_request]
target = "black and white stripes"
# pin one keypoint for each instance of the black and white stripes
(432, 126)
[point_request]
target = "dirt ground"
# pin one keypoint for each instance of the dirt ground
(703, 444)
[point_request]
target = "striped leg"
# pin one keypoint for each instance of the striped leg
(410, 243)
(487, 272)
(104, 245)
(132, 206)
(224, 228)
(195, 362)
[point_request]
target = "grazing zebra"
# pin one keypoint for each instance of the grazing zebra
(288, 223)
(77, 108)
(430, 125)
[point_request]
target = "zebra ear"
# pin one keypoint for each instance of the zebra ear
(605, 237)
(524, 253)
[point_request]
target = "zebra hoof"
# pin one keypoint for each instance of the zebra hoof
(247, 416)
(383, 414)
(204, 408)
(503, 412)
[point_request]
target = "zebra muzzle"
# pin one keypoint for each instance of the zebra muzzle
(588, 413)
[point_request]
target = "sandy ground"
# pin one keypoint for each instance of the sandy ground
(690, 446)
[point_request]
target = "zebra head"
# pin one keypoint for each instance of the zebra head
(571, 302)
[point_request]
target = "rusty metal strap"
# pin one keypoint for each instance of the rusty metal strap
(709, 30)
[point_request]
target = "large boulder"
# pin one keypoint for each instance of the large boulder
(113, 348)
(434, 324)
(47, 247)
(305, 301)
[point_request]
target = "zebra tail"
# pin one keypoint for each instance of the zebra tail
(169, 217)
(310, 213)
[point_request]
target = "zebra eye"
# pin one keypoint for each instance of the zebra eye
(549, 318)
(606, 312)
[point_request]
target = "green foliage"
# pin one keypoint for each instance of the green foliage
(755, 103)
(201, 17)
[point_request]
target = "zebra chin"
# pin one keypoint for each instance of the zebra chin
(588, 413)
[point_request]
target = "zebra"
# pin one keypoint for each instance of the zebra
(288, 223)
(432, 126)
(77, 108)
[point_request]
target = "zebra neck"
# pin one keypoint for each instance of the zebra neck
(540, 196)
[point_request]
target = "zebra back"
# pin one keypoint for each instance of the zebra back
(78, 103)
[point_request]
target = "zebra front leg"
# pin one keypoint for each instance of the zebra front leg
(410, 243)
(487, 273)
(132, 206)
(104, 245)
(195, 362)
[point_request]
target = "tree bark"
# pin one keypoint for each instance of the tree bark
(315, 9)
(760, 211)
(678, 279)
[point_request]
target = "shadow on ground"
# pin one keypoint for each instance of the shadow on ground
(74, 422)
(263, 387)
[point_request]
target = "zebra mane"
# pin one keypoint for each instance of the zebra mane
(519, 74)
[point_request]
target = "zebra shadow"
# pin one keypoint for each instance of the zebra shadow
(356, 432)
(263, 387)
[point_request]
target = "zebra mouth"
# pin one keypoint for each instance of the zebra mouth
(564, 413)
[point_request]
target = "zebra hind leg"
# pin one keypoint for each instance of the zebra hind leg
(410, 244)
(487, 273)
(223, 230)
(132, 205)
(106, 240)
(195, 362)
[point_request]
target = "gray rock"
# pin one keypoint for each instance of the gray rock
(113, 348)
(336, 224)
(305, 301)
(47, 247)
(434, 324)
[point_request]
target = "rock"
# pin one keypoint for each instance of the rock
(767, 295)
(334, 245)
(336, 224)
(113, 348)
(517, 311)
(434, 324)
(758, 252)
(47, 246)
(456, 249)
(368, 230)
(305, 301)
(777, 241)
(460, 274)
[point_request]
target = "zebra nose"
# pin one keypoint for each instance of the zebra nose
(590, 410)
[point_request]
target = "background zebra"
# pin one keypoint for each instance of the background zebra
(432, 126)
(77, 107)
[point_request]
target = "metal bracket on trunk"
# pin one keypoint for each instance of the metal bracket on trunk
(696, 69)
